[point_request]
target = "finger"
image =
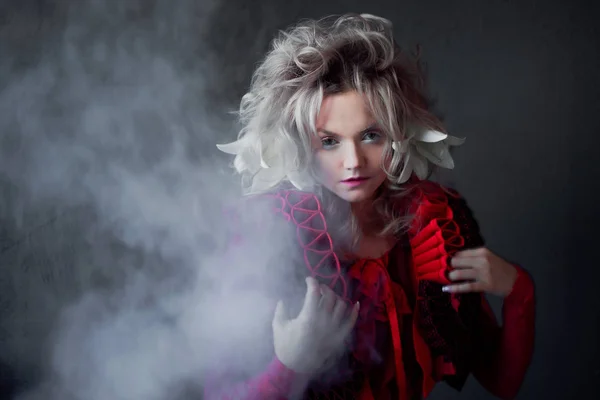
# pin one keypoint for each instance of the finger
(466, 287)
(311, 299)
(466, 262)
(475, 252)
(328, 301)
(280, 316)
(464, 274)
(351, 321)
(339, 312)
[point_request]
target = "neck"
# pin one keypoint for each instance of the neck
(362, 210)
(367, 219)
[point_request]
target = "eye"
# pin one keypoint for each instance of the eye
(328, 142)
(372, 136)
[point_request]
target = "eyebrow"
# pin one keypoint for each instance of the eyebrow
(371, 127)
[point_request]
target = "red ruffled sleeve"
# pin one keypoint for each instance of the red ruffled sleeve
(443, 225)
(497, 356)
(441, 320)
(432, 248)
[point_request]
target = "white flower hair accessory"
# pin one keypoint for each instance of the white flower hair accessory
(422, 146)
(266, 165)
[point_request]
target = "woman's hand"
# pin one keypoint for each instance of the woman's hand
(306, 343)
(483, 271)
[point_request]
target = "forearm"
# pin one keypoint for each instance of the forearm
(505, 353)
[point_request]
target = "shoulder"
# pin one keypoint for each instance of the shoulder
(429, 200)
(443, 211)
(286, 200)
(280, 208)
(425, 195)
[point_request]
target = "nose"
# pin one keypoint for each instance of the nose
(353, 157)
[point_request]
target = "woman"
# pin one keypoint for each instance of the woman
(336, 127)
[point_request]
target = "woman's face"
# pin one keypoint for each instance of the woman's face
(349, 148)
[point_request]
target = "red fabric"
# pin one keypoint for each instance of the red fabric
(442, 225)
(381, 301)
(432, 248)
(501, 356)
(505, 352)
(440, 333)
(304, 210)
(274, 384)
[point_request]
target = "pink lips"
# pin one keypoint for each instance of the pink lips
(353, 182)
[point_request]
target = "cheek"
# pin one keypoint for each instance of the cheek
(377, 157)
(325, 164)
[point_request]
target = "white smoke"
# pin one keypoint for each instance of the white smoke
(110, 124)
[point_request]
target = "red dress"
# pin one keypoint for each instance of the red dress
(410, 335)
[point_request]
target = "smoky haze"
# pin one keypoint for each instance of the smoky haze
(109, 121)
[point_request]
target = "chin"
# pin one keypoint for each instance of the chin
(355, 196)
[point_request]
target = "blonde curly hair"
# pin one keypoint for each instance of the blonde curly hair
(317, 58)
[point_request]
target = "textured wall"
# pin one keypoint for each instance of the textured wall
(99, 96)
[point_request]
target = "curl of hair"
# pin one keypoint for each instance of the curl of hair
(314, 59)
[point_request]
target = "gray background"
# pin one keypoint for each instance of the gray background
(519, 79)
